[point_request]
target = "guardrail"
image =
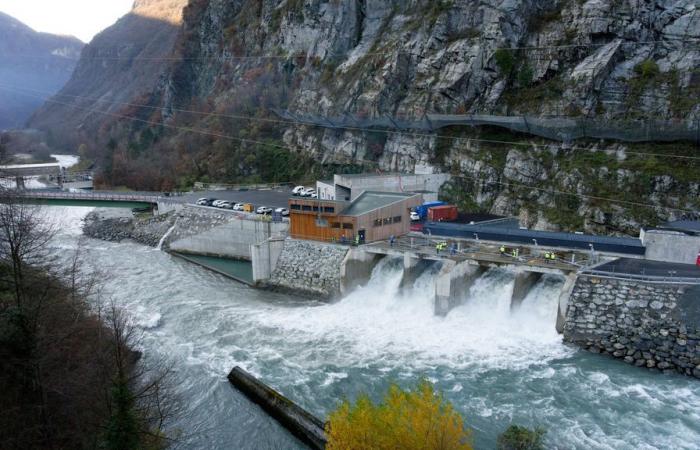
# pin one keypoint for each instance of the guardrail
(114, 197)
(652, 279)
(557, 128)
(199, 186)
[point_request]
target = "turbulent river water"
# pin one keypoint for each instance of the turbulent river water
(497, 367)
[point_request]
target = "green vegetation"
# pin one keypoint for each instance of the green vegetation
(520, 438)
(525, 75)
(505, 60)
(647, 69)
(419, 419)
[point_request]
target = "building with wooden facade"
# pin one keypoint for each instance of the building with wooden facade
(373, 216)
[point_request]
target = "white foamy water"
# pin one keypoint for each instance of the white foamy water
(496, 366)
(378, 320)
(66, 161)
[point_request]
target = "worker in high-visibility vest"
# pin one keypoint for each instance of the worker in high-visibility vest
(503, 249)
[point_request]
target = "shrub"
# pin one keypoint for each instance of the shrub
(504, 60)
(647, 69)
(521, 438)
(525, 75)
(419, 419)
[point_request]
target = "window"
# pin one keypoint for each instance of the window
(397, 219)
(335, 225)
(386, 221)
(329, 209)
(315, 208)
(306, 208)
(296, 207)
(377, 222)
(347, 226)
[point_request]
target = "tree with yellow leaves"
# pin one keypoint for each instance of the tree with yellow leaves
(418, 419)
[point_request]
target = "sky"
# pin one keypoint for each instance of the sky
(80, 18)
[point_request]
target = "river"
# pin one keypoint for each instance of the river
(497, 367)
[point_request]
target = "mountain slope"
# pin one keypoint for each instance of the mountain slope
(31, 60)
(122, 64)
(620, 62)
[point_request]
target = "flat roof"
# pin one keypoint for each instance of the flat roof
(489, 232)
(690, 225)
(371, 200)
(325, 181)
(373, 175)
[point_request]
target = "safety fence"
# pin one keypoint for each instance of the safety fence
(562, 129)
(651, 279)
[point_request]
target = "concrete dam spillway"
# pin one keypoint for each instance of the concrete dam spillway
(482, 320)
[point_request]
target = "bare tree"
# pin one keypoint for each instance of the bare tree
(143, 404)
(24, 235)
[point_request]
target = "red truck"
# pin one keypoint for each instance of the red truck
(445, 213)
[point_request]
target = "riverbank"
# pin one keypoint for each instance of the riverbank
(119, 225)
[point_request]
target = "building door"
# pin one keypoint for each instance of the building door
(362, 236)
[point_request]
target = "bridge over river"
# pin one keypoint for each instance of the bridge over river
(112, 199)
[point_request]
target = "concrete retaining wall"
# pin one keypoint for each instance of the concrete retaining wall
(264, 257)
(309, 268)
(203, 232)
(649, 325)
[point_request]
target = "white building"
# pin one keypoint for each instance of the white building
(349, 187)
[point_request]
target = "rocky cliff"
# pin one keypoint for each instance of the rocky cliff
(121, 65)
(33, 66)
(622, 62)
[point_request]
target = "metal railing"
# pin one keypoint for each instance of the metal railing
(103, 196)
(200, 186)
(651, 279)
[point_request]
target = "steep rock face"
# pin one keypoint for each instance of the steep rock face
(121, 65)
(34, 66)
(602, 59)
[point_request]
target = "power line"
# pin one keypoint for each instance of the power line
(284, 147)
(357, 129)
(686, 41)
(575, 194)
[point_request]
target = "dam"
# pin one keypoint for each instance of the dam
(621, 306)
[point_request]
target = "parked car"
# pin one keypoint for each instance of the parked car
(264, 210)
(283, 211)
(238, 207)
(204, 201)
(309, 192)
(225, 205)
(298, 190)
(415, 216)
(216, 203)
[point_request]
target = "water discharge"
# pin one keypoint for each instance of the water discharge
(496, 365)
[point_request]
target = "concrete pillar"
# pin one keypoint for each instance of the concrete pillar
(413, 267)
(356, 269)
(564, 301)
(264, 257)
(453, 281)
(524, 281)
